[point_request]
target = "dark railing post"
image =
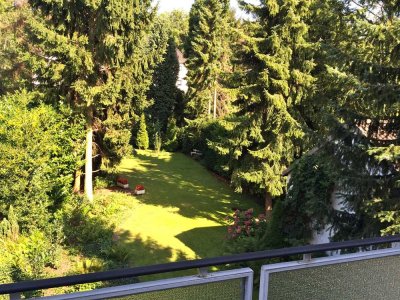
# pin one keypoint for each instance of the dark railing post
(203, 272)
(307, 257)
(16, 296)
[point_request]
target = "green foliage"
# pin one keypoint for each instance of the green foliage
(38, 154)
(9, 228)
(306, 75)
(89, 229)
(250, 234)
(278, 56)
(97, 58)
(14, 56)
(207, 49)
(245, 225)
(163, 90)
(308, 203)
(104, 180)
(177, 24)
(25, 256)
(6, 264)
(142, 137)
(172, 135)
(358, 86)
(275, 237)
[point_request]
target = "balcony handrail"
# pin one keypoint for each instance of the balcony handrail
(33, 285)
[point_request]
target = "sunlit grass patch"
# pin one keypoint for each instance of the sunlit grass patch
(182, 215)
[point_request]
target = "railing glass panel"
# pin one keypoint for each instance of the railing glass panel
(224, 290)
(229, 285)
(365, 275)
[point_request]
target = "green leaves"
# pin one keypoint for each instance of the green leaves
(38, 158)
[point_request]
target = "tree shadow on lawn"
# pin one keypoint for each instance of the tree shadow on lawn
(206, 242)
(134, 251)
(178, 181)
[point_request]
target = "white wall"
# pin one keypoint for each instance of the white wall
(182, 82)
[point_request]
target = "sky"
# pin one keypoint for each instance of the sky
(168, 5)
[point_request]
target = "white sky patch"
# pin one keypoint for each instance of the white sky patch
(169, 5)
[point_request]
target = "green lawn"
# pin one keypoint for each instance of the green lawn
(182, 215)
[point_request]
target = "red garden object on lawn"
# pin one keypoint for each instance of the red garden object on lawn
(139, 190)
(122, 182)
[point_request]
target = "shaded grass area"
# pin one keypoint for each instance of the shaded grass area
(175, 180)
(181, 216)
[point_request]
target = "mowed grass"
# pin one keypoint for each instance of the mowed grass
(183, 213)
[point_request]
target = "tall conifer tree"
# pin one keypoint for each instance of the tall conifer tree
(207, 49)
(96, 55)
(356, 117)
(278, 57)
(163, 90)
(362, 83)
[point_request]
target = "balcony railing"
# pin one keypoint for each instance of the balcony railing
(363, 275)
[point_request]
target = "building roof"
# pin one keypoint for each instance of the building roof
(378, 131)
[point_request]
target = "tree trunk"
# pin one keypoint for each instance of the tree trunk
(268, 204)
(209, 108)
(89, 155)
(77, 182)
(215, 101)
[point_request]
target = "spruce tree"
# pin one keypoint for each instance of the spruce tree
(95, 58)
(14, 72)
(142, 138)
(356, 118)
(163, 90)
(207, 51)
(270, 134)
(361, 81)
(177, 24)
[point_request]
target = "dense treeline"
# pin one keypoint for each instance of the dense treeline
(296, 104)
(314, 117)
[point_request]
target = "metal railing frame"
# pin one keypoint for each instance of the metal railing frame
(267, 270)
(34, 285)
(245, 274)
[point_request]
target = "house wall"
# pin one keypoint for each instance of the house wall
(182, 82)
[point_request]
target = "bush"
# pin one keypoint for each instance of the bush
(245, 232)
(208, 137)
(104, 180)
(142, 137)
(308, 203)
(172, 136)
(248, 233)
(6, 263)
(89, 229)
(38, 157)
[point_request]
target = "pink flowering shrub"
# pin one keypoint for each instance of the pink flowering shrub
(245, 224)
